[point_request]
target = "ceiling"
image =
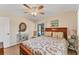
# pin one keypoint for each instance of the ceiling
(49, 9)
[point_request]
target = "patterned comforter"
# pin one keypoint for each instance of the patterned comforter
(47, 46)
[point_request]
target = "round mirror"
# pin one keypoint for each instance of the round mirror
(22, 27)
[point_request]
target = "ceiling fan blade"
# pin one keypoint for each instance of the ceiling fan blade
(40, 7)
(27, 6)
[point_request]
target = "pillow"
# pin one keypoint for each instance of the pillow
(57, 34)
(60, 35)
(48, 34)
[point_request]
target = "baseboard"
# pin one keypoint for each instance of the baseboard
(10, 45)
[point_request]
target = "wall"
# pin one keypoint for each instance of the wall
(67, 19)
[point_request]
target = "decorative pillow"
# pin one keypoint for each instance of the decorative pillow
(57, 35)
(48, 34)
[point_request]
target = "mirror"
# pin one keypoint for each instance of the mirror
(22, 27)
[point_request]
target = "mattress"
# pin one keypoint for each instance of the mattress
(47, 46)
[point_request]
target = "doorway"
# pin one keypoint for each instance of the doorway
(40, 29)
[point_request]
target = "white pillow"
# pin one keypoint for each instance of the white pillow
(48, 34)
(57, 35)
(60, 35)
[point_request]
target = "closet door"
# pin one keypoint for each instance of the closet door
(4, 31)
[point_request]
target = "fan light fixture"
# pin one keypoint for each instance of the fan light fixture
(34, 11)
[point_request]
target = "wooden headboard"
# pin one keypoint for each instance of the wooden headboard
(64, 30)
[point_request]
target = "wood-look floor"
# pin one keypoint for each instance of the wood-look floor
(14, 50)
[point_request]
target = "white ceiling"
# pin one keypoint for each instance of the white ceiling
(49, 9)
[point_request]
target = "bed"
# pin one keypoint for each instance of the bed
(46, 45)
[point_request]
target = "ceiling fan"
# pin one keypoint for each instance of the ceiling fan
(34, 11)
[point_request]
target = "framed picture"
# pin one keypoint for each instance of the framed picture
(55, 23)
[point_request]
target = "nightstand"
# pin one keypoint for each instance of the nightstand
(72, 42)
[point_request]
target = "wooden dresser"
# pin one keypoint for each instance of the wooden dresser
(1, 49)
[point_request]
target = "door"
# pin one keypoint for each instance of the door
(4, 31)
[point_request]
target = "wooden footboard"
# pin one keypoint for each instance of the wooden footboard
(24, 50)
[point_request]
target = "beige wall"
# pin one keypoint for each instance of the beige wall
(67, 19)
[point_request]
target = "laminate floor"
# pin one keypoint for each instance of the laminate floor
(14, 50)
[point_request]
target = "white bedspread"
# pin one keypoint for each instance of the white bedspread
(47, 46)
